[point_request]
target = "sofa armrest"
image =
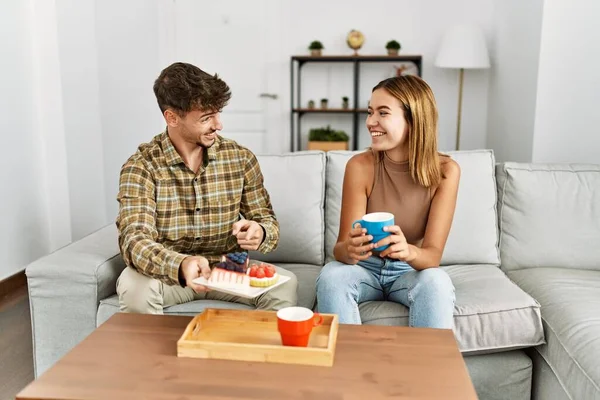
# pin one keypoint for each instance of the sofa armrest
(65, 289)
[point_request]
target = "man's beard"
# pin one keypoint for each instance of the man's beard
(200, 144)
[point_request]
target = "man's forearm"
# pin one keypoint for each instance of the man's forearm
(151, 258)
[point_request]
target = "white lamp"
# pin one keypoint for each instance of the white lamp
(463, 47)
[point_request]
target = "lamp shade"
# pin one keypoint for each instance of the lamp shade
(463, 46)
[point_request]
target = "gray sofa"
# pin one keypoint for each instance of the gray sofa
(532, 217)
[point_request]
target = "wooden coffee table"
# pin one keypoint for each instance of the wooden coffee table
(133, 356)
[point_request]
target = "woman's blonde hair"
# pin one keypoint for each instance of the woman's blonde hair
(420, 112)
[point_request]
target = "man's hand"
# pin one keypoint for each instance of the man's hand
(249, 234)
(193, 267)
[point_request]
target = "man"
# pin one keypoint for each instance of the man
(188, 197)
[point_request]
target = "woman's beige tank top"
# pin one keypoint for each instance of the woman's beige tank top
(395, 192)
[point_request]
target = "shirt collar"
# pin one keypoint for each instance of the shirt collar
(172, 157)
(212, 150)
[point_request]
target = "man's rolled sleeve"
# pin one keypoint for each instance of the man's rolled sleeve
(271, 238)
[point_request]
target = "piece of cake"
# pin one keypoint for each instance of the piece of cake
(229, 279)
(263, 275)
(237, 262)
(231, 271)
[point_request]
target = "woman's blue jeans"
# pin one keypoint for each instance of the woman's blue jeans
(428, 294)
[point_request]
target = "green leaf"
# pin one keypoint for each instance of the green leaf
(327, 135)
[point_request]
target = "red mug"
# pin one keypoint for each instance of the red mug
(295, 325)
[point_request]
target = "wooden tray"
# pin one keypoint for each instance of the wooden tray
(246, 335)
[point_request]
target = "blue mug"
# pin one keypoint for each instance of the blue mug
(374, 224)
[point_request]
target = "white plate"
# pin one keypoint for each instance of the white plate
(248, 293)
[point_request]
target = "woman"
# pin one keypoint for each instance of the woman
(403, 174)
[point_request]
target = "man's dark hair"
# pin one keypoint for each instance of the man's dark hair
(184, 87)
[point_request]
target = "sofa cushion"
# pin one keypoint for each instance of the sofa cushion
(296, 185)
(305, 273)
(570, 302)
(547, 385)
(491, 313)
(549, 215)
(473, 237)
(501, 376)
(307, 282)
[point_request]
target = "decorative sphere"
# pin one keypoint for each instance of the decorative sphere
(355, 39)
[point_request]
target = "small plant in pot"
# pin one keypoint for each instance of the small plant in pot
(345, 103)
(324, 103)
(393, 47)
(315, 48)
(326, 139)
(311, 104)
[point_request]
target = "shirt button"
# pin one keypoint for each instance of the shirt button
(195, 179)
(198, 238)
(197, 209)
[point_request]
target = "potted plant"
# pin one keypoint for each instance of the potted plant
(315, 48)
(326, 139)
(345, 103)
(311, 104)
(393, 47)
(324, 104)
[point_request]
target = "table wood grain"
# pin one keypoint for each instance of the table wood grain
(133, 356)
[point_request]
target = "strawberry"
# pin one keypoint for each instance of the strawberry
(253, 271)
(260, 273)
(269, 272)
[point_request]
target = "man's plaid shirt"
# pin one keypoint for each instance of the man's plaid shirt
(167, 212)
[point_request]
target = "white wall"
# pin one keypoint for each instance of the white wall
(127, 36)
(81, 106)
(49, 122)
(28, 231)
(514, 54)
(567, 122)
(544, 85)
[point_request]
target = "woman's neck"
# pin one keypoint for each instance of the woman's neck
(398, 154)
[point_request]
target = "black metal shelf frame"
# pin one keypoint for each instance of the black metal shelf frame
(296, 111)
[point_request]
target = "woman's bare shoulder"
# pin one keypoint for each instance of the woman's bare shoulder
(361, 160)
(450, 168)
(360, 170)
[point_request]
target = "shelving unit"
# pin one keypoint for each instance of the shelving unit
(297, 111)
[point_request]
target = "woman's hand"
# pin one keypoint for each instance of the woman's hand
(358, 244)
(398, 248)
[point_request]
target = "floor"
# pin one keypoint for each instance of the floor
(16, 356)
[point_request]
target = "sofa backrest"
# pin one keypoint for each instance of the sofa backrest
(473, 237)
(296, 186)
(549, 215)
